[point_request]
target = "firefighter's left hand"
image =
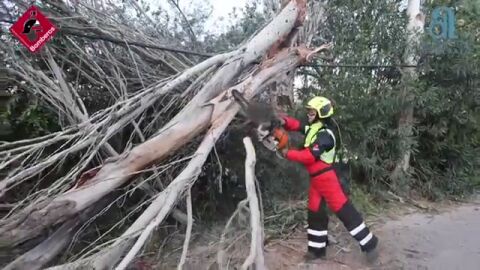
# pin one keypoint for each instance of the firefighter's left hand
(283, 151)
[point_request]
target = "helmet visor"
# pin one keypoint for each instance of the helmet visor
(325, 110)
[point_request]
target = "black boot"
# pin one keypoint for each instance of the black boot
(372, 253)
(317, 232)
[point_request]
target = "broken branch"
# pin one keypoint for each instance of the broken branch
(256, 245)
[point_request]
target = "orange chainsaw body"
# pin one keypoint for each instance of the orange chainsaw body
(281, 136)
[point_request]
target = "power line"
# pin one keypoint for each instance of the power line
(134, 43)
(361, 66)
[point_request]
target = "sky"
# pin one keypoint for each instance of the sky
(220, 8)
(223, 7)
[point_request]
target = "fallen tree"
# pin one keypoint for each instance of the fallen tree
(264, 59)
(225, 111)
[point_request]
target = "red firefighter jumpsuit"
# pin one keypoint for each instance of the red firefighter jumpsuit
(325, 188)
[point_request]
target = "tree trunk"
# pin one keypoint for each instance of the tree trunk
(48, 249)
(405, 124)
(56, 243)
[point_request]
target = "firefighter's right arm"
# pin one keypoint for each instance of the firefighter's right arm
(303, 156)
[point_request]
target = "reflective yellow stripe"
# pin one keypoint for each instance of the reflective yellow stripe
(311, 132)
(328, 156)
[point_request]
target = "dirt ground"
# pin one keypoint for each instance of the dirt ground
(448, 239)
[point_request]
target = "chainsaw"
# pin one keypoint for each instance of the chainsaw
(266, 123)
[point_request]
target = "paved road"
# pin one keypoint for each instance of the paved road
(448, 241)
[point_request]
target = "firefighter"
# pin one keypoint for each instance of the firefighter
(318, 156)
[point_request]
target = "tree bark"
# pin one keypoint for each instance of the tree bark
(56, 243)
(43, 253)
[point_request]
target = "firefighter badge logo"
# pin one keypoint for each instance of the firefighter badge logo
(33, 29)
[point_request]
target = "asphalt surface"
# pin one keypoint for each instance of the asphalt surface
(450, 240)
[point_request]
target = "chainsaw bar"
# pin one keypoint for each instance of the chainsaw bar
(262, 117)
